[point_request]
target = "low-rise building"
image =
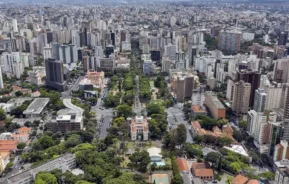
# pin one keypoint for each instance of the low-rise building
(85, 84)
(139, 127)
(197, 110)
(36, 108)
(202, 171)
(65, 123)
(64, 163)
(4, 160)
(240, 179)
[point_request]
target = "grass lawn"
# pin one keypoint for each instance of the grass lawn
(152, 84)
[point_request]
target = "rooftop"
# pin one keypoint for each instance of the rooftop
(37, 106)
(183, 165)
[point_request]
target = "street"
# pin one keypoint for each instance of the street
(176, 117)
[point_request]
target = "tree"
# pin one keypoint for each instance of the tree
(18, 93)
(70, 178)
(181, 134)
(3, 115)
(46, 141)
(21, 145)
(213, 157)
(268, 175)
(73, 140)
(193, 150)
(82, 182)
(243, 124)
(27, 124)
(140, 160)
(45, 178)
(92, 100)
(124, 110)
(154, 108)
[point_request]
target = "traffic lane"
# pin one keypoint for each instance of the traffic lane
(105, 124)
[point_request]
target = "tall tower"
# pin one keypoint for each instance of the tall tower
(1, 78)
(286, 114)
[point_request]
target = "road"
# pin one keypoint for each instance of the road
(17, 161)
(74, 85)
(103, 115)
(176, 117)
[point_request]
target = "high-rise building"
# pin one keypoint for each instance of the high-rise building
(241, 98)
(166, 64)
(109, 50)
(283, 37)
(229, 41)
(55, 74)
(170, 51)
(281, 71)
(148, 67)
(274, 96)
(15, 25)
(252, 77)
(155, 55)
(182, 85)
(1, 78)
(55, 50)
(47, 52)
(260, 100)
(64, 54)
(259, 127)
(286, 113)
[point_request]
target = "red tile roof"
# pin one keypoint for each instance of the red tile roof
(183, 165)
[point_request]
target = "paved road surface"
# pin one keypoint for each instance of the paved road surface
(176, 117)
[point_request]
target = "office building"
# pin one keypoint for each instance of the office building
(109, 50)
(56, 51)
(251, 77)
(216, 108)
(106, 64)
(155, 55)
(260, 100)
(64, 123)
(148, 67)
(55, 74)
(241, 98)
(139, 128)
(182, 85)
(229, 41)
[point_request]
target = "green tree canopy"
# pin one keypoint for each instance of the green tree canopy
(140, 160)
(124, 110)
(3, 114)
(45, 178)
(21, 145)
